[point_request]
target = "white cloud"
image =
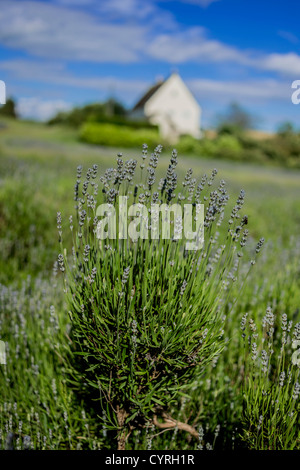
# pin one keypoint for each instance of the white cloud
(127, 8)
(34, 70)
(53, 31)
(55, 73)
(289, 36)
(287, 64)
(77, 3)
(114, 33)
(130, 90)
(201, 3)
(192, 45)
(35, 108)
(260, 90)
(122, 31)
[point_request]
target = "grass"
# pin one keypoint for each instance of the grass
(38, 404)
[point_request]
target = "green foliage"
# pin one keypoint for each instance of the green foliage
(232, 143)
(189, 145)
(224, 403)
(110, 112)
(23, 231)
(108, 124)
(117, 136)
(228, 147)
(95, 111)
(225, 146)
(287, 149)
(228, 128)
(9, 109)
(235, 119)
(271, 411)
(122, 121)
(286, 129)
(147, 315)
(37, 409)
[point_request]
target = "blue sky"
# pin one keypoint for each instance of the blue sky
(58, 53)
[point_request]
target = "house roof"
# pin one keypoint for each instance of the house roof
(141, 103)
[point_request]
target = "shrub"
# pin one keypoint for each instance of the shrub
(117, 136)
(77, 116)
(188, 144)
(9, 109)
(122, 121)
(271, 413)
(37, 409)
(23, 230)
(147, 316)
(203, 147)
(228, 147)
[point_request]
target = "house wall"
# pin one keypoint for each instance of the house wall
(174, 109)
(137, 115)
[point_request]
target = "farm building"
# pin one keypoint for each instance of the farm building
(170, 105)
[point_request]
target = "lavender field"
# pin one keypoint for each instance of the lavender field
(225, 378)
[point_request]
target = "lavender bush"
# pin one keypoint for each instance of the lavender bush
(148, 315)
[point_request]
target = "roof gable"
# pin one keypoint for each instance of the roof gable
(157, 87)
(141, 103)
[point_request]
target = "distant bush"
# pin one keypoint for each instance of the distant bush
(231, 143)
(235, 120)
(9, 109)
(188, 144)
(94, 111)
(223, 146)
(121, 121)
(228, 146)
(108, 124)
(117, 136)
(111, 112)
(229, 129)
(199, 147)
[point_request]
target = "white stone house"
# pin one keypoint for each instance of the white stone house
(170, 105)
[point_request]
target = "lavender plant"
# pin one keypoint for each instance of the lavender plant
(271, 411)
(147, 315)
(37, 409)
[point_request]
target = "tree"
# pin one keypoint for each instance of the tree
(102, 112)
(114, 108)
(286, 129)
(9, 109)
(235, 119)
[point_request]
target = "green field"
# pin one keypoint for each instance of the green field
(227, 405)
